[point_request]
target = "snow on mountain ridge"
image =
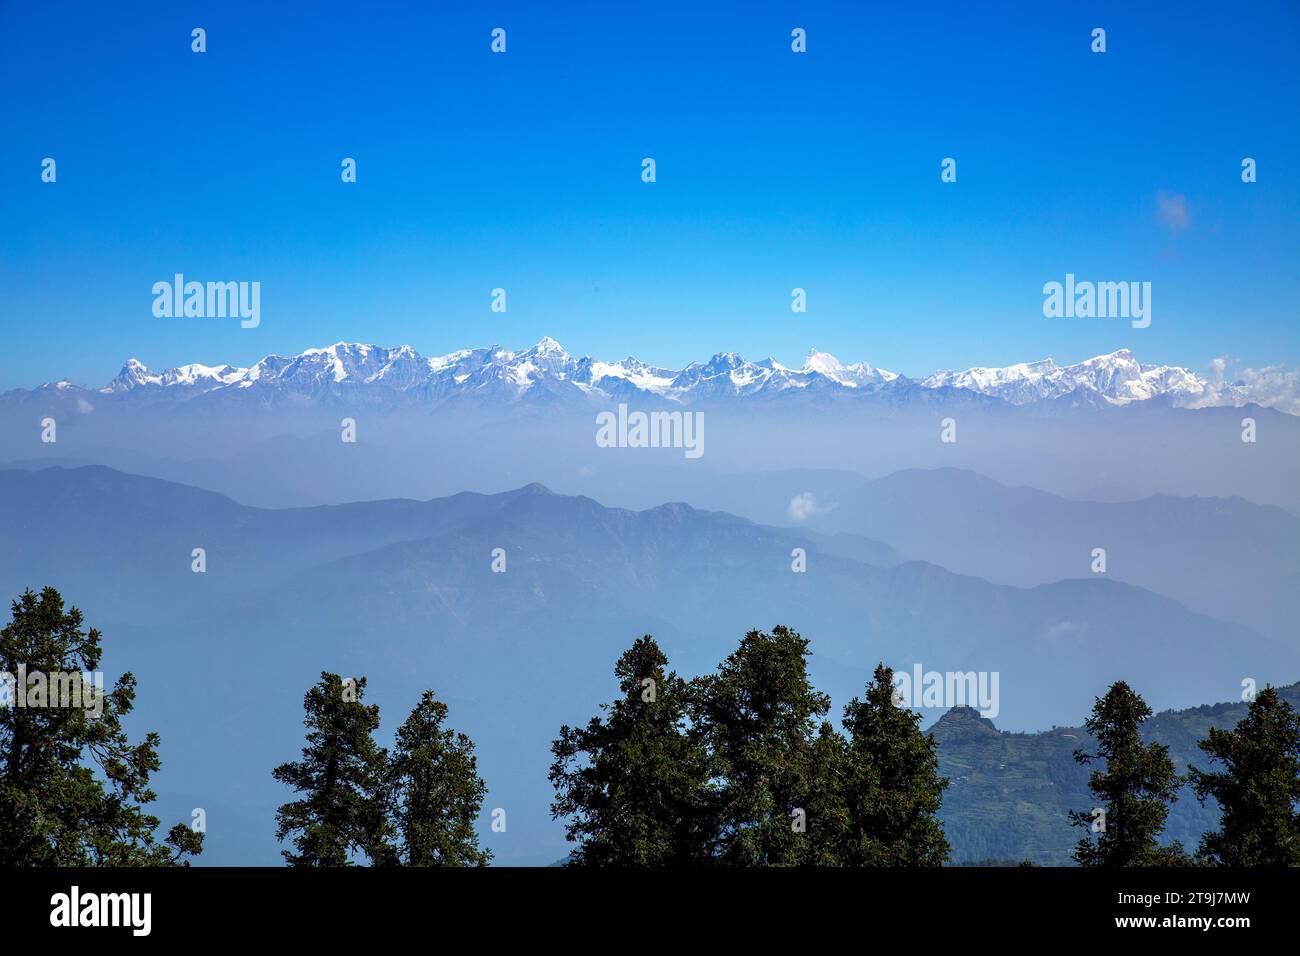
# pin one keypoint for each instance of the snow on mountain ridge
(1116, 378)
(849, 375)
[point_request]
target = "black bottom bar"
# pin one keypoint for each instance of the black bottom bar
(979, 905)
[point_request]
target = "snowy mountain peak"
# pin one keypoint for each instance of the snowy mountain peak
(725, 360)
(850, 376)
(548, 346)
(133, 374)
(822, 362)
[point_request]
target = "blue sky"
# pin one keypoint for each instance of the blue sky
(522, 171)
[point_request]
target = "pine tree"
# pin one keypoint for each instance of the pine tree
(633, 784)
(891, 783)
(1135, 789)
(1258, 791)
(828, 814)
(436, 792)
(759, 715)
(54, 808)
(342, 776)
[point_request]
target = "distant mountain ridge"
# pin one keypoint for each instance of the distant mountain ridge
(547, 370)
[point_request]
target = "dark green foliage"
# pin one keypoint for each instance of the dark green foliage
(891, 782)
(1134, 790)
(737, 769)
(72, 785)
(184, 841)
(634, 784)
(759, 716)
(1258, 789)
(342, 776)
(435, 792)
(827, 805)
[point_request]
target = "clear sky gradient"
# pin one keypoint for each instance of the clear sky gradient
(522, 171)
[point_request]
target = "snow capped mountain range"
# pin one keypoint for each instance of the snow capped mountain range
(1118, 377)
(547, 370)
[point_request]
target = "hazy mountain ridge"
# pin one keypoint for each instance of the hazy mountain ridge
(1223, 556)
(404, 567)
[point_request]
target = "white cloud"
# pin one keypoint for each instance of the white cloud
(1273, 386)
(804, 506)
(1172, 212)
(1067, 632)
